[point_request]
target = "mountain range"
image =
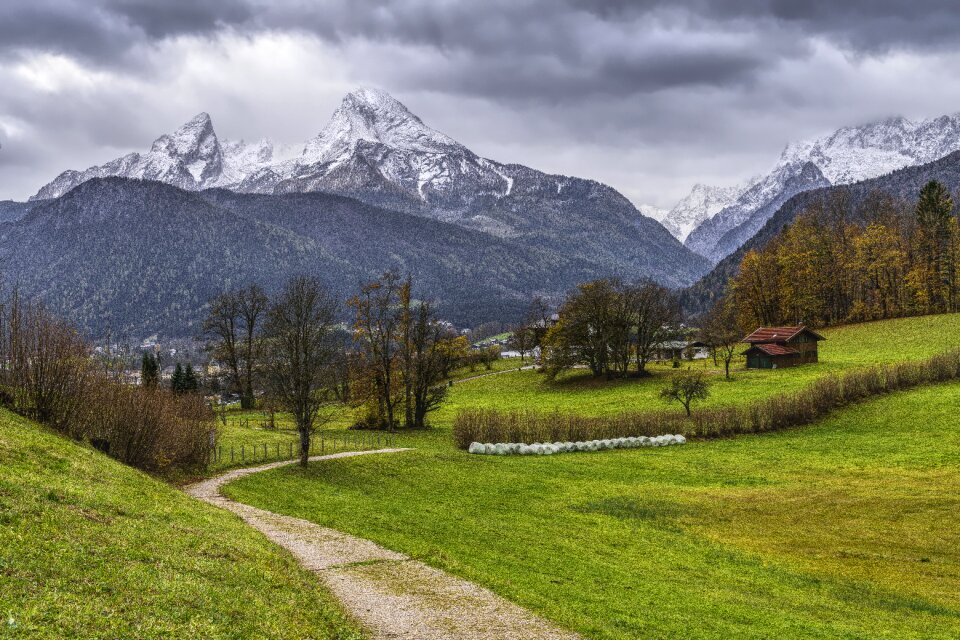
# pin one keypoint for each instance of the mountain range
(862, 199)
(716, 221)
(152, 235)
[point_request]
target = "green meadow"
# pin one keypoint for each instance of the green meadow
(846, 528)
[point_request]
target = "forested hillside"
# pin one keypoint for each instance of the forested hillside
(859, 204)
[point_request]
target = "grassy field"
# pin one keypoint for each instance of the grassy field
(577, 391)
(843, 529)
(90, 548)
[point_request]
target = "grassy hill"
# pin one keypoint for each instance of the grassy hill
(90, 548)
(842, 529)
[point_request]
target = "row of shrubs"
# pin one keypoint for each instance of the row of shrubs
(772, 414)
(47, 373)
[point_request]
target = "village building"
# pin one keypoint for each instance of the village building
(681, 350)
(778, 347)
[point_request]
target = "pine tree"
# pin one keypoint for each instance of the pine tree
(934, 209)
(177, 381)
(190, 382)
(149, 370)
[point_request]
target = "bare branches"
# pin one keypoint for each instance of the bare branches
(300, 351)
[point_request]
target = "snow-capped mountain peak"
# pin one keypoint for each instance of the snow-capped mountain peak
(372, 115)
(702, 203)
(847, 155)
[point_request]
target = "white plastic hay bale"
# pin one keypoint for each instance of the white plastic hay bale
(680, 439)
(499, 449)
(595, 445)
(525, 450)
(476, 448)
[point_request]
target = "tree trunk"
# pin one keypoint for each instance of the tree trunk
(304, 446)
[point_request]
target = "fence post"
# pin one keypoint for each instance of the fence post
(231, 454)
(243, 453)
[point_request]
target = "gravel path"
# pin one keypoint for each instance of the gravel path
(393, 596)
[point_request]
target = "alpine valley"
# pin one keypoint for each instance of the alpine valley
(139, 244)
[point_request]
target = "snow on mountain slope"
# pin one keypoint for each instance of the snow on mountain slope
(373, 149)
(848, 155)
(701, 203)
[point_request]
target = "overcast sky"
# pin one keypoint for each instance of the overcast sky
(647, 96)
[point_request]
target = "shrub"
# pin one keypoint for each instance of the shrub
(48, 375)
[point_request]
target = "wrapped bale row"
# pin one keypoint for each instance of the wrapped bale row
(550, 448)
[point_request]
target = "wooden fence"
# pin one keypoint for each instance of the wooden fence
(320, 444)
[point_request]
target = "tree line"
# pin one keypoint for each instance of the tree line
(825, 268)
(613, 327)
(391, 361)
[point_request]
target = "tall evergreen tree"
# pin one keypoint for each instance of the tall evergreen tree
(176, 382)
(190, 382)
(149, 370)
(934, 212)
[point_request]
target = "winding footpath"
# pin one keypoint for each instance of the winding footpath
(392, 595)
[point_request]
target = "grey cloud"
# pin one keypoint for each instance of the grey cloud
(693, 89)
(561, 43)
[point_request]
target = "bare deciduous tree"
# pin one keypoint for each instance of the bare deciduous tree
(300, 349)
(722, 333)
(233, 322)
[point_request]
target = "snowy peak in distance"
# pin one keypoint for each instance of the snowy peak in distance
(702, 203)
(851, 154)
(848, 155)
(369, 123)
(192, 157)
(374, 116)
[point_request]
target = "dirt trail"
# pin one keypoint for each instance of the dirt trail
(392, 595)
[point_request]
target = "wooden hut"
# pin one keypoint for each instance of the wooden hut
(778, 347)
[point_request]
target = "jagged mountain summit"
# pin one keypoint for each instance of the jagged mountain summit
(703, 202)
(848, 155)
(373, 148)
(192, 158)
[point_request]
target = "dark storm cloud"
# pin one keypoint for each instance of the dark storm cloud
(511, 49)
(648, 95)
(102, 31)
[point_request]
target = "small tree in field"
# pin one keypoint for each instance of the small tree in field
(685, 387)
(722, 333)
(300, 353)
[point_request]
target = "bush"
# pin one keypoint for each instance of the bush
(49, 376)
(771, 414)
